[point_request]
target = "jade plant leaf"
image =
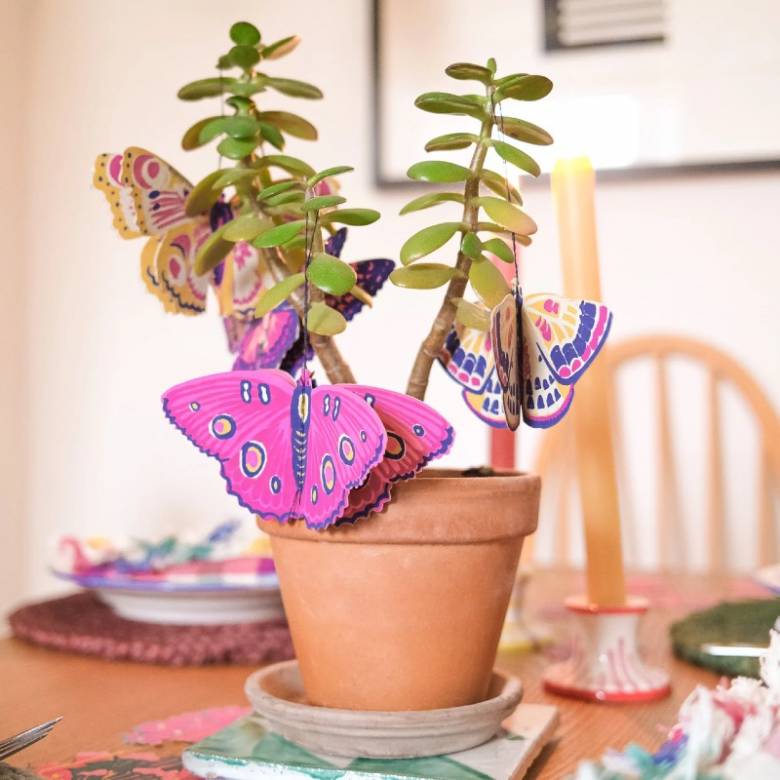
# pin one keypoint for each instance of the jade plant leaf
(431, 199)
(351, 216)
(291, 196)
(245, 34)
(203, 88)
(278, 235)
(233, 176)
(451, 141)
(203, 195)
(294, 88)
(323, 202)
(468, 71)
(438, 171)
(331, 275)
(213, 251)
(521, 130)
(423, 276)
(292, 124)
(191, 138)
(245, 228)
(427, 240)
(270, 299)
(336, 170)
(277, 187)
(508, 216)
(236, 148)
(498, 248)
(488, 282)
(285, 162)
(471, 246)
(497, 183)
(517, 157)
(234, 126)
(473, 316)
(272, 134)
(524, 87)
(446, 103)
(244, 56)
(325, 320)
(280, 48)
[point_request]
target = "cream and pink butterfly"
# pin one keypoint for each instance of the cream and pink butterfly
(147, 197)
(287, 450)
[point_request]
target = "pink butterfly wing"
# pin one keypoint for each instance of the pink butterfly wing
(346, 440)
(242, 418)
(416, 434)
(108, 179)
(267, 339)
(247, 279)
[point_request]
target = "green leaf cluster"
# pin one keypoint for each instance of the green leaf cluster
(490, 206)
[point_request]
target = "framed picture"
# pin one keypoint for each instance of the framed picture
(643, 87)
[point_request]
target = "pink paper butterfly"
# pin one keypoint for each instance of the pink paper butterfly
(289, 450)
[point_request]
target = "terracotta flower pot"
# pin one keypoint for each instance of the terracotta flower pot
(403, 610)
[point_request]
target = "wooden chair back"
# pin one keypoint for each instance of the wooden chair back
(555, 456)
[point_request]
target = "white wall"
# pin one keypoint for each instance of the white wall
(94, 351)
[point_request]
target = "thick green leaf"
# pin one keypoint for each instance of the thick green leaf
(292, 124)
(431, 199)
(278, 235)
(492, 227)
(468, 71)
(488, 282)
(285, 162)
(244, 56)
(213, 251)
(507, 215)
(525, 87)
(336, 170)
(331, 275)
(242, 105)
(285, 198)
(323, 202)
(191, 139)
(294, 88)
(204, 88)
(517, 157)
(473, 316)
(272, 135)
(224, 63)
(203, 195)
(491, 65)
(325, 320)
(270, 299)
(236, 148)
(245, 228)
(232, 176)
(246, 88)
(446, 103)
(438, 171)
(471, 246)
(509, 79)
(243, 127)
(498, 248)
(451, 141)
(427, 240)
(521, 130)
(423, 276)
(351, 216)
(275, 189)
(499, 185)
(281, 47)
(245, 34)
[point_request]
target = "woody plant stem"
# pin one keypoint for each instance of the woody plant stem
(434, 342)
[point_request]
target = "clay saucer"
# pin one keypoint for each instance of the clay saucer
(276, 693)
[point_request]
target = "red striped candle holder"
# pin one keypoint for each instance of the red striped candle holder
(606, 664)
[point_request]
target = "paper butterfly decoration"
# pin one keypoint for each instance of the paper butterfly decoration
(147, 198)
(289, 450)
(542, 345)
(276, 341)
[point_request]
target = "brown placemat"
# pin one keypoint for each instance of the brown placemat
(83, 624)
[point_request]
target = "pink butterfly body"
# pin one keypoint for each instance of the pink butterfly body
(290, 450)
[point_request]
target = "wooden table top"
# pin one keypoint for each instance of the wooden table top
(101, 700)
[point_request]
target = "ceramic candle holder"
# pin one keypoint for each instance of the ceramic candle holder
(606, 664)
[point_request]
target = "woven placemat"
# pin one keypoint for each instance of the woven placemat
(83, 624)
(729, 623)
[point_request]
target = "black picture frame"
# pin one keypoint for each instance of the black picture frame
(634, 173)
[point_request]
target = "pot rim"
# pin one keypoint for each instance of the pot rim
(474, 510)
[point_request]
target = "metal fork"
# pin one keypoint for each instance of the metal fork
(26, 738)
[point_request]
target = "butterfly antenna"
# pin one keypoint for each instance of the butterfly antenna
(500, 123)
